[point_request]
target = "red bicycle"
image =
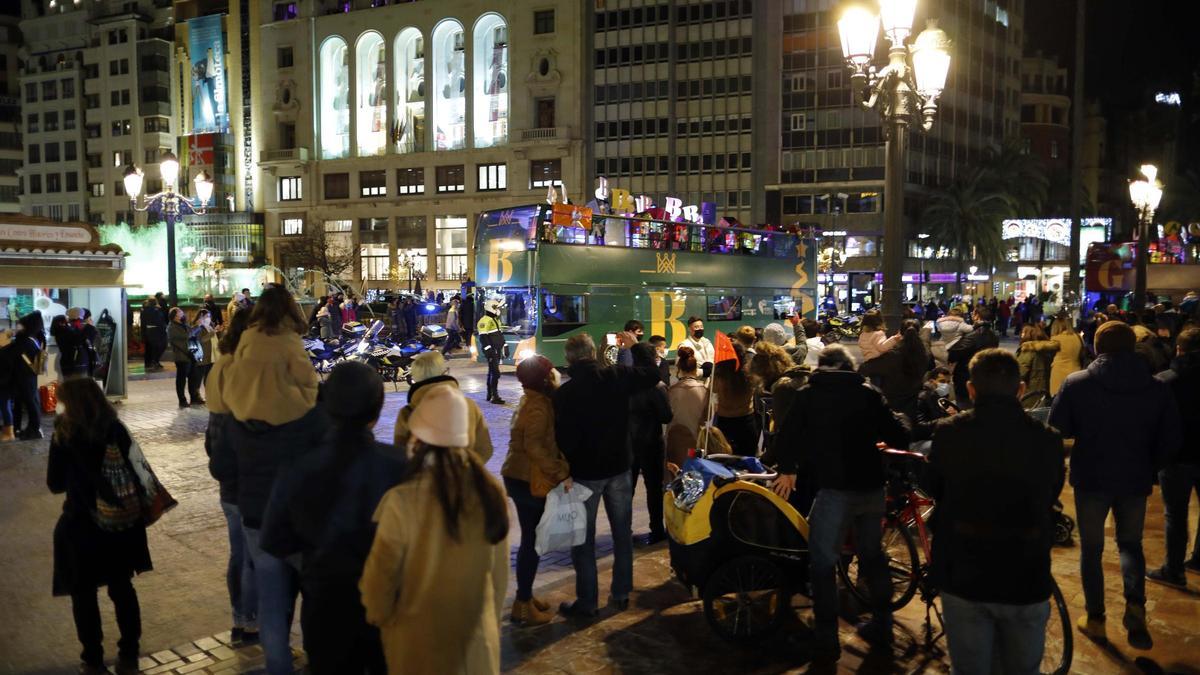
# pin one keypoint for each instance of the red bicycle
(908, 510)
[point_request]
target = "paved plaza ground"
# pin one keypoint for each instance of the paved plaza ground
(185, 609)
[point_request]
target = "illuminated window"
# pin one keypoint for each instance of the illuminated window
(375, 261)
(289, 188)
(492, 177)
(408, 131)
(410, 181)
(451, 178)
(291, 226)
(372, 183)
(371, 72)
(450, 233)
(339, 225)
(335, 99)
(545, 172)
(491, 81)
(449, 86)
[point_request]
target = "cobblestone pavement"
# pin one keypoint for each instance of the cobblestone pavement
(186, 617)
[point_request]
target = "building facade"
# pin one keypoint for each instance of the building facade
(388, 128)
(96, 98)
(1046, 111)
(831, 163)
(676, 107)
(12, 152)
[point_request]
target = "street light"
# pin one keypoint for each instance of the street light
(902, 94)
(169, 203)
(1145, 195)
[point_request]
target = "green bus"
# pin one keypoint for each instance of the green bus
(559, 280)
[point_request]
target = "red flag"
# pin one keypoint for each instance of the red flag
(724, 350)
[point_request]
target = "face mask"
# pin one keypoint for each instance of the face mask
(662, 353)
(60, 408)
(942, 389)
(697, 334)
(206, 321)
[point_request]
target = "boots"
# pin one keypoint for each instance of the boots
(525, 613)
(540, 604)
(6, 433)
(1135, 624)
(1093, 628)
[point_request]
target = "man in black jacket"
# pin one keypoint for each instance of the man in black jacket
(961, 352)
(831, 430)
(996, 473)
(591, 425)
(1182, 475)
(154, 334)
(649, 410)
(1125, 425)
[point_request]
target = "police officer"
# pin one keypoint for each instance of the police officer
(491, 341)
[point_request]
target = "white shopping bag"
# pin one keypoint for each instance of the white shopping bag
(564, 522)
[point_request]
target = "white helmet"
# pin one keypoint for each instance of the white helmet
(493, 305)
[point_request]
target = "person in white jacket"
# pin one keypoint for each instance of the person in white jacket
(953, 326)
(701, 345)
(873, 339)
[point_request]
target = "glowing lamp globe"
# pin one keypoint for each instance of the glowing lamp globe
(931, 60)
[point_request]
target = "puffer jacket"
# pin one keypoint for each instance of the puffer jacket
(1125, 424)
(952, 328)
(270, 378)
(1034, 357)
(532, 441)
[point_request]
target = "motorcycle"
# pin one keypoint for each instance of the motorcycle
(325, 354)
(392, 360)
(843, 327)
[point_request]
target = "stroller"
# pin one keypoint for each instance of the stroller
(738, 544)
(1037, 404)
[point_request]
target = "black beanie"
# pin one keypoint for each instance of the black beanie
(353, 394)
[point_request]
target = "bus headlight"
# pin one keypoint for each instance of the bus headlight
(525, 354)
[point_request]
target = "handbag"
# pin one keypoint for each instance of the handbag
(124, 510)
(155, 500)
(48, 397)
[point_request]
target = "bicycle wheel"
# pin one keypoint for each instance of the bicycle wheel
(1060, 642)
(904, 567)
(746, 599)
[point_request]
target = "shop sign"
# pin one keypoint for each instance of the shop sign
(50, 234)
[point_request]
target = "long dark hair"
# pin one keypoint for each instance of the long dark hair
(233, 332)
(733, 379)
(277, 312)
(446, 472)
(912, 349)
(87, 415)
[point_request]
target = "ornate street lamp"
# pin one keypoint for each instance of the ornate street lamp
(1145, 195)
(170, 203)
(902, 94)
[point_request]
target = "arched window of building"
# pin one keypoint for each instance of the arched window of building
(335, 99)
(371, 92)
(449, 86)
(490, 67)
(408, 132)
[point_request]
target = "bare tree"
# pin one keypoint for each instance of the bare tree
(317, 250)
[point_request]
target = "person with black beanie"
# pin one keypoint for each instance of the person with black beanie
(321, 509)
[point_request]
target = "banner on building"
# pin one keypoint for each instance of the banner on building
(206, 49)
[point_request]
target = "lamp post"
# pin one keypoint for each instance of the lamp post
(408, 262)
(902, 94)
(1145, 195)
(170, 203)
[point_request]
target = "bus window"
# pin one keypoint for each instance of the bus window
(517, 317)
(562, 313)
(724, 308)
(784, 306)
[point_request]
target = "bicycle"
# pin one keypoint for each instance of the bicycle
(907, 510)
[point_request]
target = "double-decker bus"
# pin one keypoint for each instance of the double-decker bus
(559, 280)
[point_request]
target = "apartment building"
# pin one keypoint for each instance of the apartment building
(389, 126)
(11, 151)
(95, 94)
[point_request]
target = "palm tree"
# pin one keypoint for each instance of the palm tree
(1009, 170)
(965, 217)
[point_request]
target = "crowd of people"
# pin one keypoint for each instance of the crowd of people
(399, 546)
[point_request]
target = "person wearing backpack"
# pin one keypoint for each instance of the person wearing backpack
(100, 538)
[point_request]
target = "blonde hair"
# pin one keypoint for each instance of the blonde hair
(428, 365)
(770, 362)
(1060, 325)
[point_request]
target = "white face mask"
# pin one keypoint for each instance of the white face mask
(59, 408)
(942, 388)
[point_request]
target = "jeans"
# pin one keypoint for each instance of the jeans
(6, 404)
(529, 513)
(278, 584)
(983, 634)
(1129, 512)
(26, 403)
(239, 572)
(617, 493)
(648, 459)
(453, 341)
(833, 512)
(86, 611)
(1178, 481)
(201, 378)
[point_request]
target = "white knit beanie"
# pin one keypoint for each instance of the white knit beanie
(441, 418)
(775, 334)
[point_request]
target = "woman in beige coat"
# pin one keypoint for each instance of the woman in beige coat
(689, 406)
(435, 579)
(1068, 358)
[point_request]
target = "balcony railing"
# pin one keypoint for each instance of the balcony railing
(543, 133)
(284, 155)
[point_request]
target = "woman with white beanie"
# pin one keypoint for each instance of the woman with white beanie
(438, 569)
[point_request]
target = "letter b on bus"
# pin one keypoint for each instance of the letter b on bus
(666, 310)
(500, 268)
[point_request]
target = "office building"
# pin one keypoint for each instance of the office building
(96, 97)
(1046, 111)
(831, 162)
(388, 127)
(11, 152)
